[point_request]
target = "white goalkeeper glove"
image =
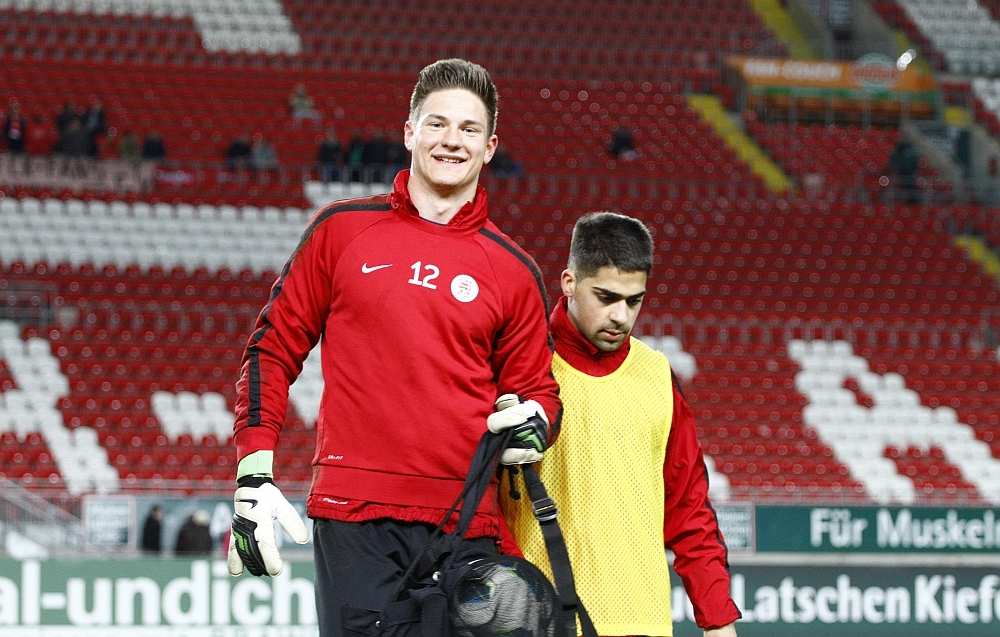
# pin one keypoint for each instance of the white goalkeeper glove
(258, 503)
(531, 429)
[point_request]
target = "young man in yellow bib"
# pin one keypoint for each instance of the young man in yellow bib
(628, 473)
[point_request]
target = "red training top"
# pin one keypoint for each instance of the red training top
(423, 325)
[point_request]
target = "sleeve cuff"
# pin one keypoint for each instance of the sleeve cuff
(258, 463)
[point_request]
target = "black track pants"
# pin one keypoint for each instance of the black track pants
(360, 563)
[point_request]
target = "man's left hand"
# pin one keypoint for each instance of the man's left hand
(726, 631)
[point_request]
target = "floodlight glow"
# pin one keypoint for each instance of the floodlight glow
(905, 59)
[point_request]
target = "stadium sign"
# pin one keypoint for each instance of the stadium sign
(876, 71)
(869, 78)
(153, 598)
(871, 72)
(877, 529)
(877, 602)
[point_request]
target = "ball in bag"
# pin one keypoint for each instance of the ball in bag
(504, 596)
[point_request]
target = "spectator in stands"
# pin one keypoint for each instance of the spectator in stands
(194, 538)
(504, 165)
(74, 141)
(904, 161)
(152, 147)
(128, 147)
(354, 157)
(622, 144)
(398, 157)
(67, 115)
(812, 184)
(262, 154)
(375, 156)
(95, 124)
(152, 531)
(301, 106)
(42, 136)
(238, 153)
(330, 157)
(15, 129)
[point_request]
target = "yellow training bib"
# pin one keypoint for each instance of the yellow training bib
(605, 473)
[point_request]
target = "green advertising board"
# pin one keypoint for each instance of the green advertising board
(779, 601)
(198, 598)
(153, 598)
(788, 529)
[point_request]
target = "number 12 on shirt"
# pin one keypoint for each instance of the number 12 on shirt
(432, 273)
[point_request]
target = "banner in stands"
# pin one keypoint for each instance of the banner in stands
(109, 520)
(57, 172)
(791, 529)
(871, 74)
(116, 521)
(198, 598)
(737, 526)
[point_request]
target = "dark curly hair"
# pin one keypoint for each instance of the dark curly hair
(603, 239)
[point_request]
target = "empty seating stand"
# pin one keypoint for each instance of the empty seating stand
(733, 281)
(145, 301)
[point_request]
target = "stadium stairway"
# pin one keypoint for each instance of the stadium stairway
(776, 18)
(979, 251)
(712, 111)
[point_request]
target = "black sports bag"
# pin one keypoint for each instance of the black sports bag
(456, 589)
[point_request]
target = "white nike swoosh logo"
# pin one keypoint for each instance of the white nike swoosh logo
(365, 269)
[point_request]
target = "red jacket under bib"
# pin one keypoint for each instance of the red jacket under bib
(423, 325)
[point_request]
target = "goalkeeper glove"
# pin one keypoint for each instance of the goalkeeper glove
(531, 429)
(258, 503)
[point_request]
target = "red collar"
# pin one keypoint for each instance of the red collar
(577, 350)
(469, 219)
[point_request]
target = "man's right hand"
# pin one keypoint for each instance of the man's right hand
(258, 503)
(531, 429)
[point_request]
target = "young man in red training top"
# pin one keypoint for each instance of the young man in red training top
(427, 313)
(628, 474)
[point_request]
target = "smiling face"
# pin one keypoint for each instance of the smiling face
(450, 141)
(604, 306)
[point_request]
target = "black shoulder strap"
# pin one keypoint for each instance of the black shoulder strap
(481, 470)
(562, 571)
